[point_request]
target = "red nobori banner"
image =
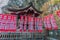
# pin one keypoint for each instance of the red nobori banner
(49, 23)
(30, 24)
(40, 25)
(25, 28)
(40, 22)
(35, 24)
(25, 23)
(21, 27)
(31, 20)
(21, 23)
(25, 20)
(30, 28)
(21, 19)
(58, 13)
(45, 22)
(53, 22)
(7, 23)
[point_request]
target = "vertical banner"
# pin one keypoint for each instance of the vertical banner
(30, 20)
(21, 22)
(30, 24)
(6, 22)
(45, 22)
(58, 13)
(11, 22)
(53, 22)
(48, 23)
(36, 20)
(35, 24)
(40, 25)
(25, 23)
(1, 24)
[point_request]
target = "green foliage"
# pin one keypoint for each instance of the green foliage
(56, 1)
(39, 3)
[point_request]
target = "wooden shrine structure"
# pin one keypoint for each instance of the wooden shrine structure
(30, 10)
